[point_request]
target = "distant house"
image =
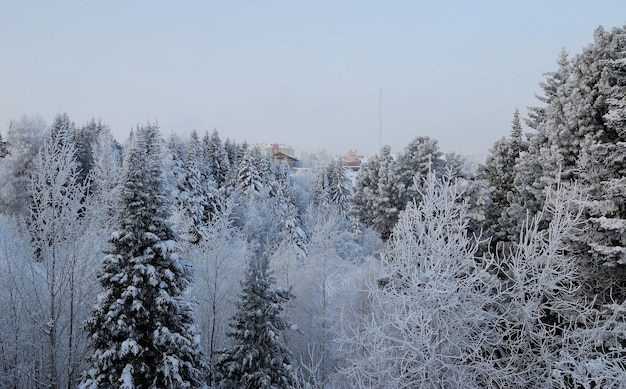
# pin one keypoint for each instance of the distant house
(352, 165)
(352, 160)
(280, 156)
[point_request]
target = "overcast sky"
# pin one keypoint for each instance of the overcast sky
(302, 73)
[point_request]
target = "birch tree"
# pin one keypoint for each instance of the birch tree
(62, 273)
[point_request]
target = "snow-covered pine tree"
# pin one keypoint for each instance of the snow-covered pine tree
(294, 232)
(259, 359)
(321, 193)
(418, 159)
(340, 188)
(386, 204)
(84, 138)
(603, 171)
(208, 183)
(537, 114)
(603, 242)
(142, 329)
(584, 99)
(364, 190)
(283, 193)
(540, 165)
(574, 107)
(499, 174)
(235, 152)
(105, 179)
(218, 158)
(249, 182)
(3, 147)
(200, 192)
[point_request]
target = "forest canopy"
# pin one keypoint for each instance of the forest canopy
(194, 261)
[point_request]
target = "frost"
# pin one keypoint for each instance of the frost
(129, 346)
(610, 224)
(127, 377)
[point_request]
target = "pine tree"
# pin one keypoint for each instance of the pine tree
(249, 182)
(218, 158)
(364, 189)
(339, 187)
(540, 165)
(283, 193)
(259, 359)
(85, 138)
(3, 147)
(419, 158)
(321, 192)
(142, 330)
(199, 187)
(583, 115)
(499, 174)
(537, 115)
(105, 179)
(387, 203)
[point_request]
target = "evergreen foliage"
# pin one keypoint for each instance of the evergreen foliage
(543, 306)
(219, 162)
(578, 137)
(387, 202)
(418, 159)
(259, 358)
(499, 174)
(142, 329)
(249, 182)
(364, 190)
(85, 138)
(3, 147)
(340, 188)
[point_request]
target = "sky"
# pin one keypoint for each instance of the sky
(308, 74)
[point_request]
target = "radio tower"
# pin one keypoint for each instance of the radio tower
(380, 118)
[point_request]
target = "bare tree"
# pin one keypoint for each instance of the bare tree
(62, 267)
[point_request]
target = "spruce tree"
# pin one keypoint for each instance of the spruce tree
(419, 158)
(579, 138)
(321, 193)
(141, 329)
(364, 188)
(339, 187)
(540, 165)
(387, 203)
(199, 187)
(249, 182)
(602, 173)
(85, 138)
(218, 158)
(499, 174)
(259, 358)
(3, 147)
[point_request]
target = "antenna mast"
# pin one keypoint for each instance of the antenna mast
(380, 118)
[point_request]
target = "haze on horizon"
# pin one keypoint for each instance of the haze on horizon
(305, 74)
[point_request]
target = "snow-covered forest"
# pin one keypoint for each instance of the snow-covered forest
(198, 261)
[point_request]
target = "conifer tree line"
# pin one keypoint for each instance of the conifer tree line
(197, 262)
